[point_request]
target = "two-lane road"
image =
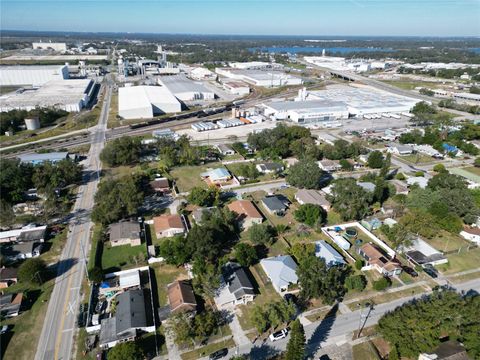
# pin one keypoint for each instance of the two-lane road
(56, 339)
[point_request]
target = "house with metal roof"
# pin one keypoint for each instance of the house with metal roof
(36, 159)
(21, 251)
(366, 185)
(421, 253)
(10, 304)
(225, 149)
(216, 176)
(281, 270)
(270, 168)
(326, 251)
(235, 287)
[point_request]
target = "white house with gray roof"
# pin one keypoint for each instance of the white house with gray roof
(281, 270)
(235, 287)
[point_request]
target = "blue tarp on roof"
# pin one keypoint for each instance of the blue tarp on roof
(449, 148)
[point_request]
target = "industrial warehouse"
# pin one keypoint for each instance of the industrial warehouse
(339, 102)
(185, 89)
(69, 95)
(263, 78)
(33, 75)
(138, 102)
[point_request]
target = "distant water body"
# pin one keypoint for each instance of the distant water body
(318, 49)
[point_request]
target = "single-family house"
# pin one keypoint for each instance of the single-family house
(399, 149)
(270, 168)
(421, 253)
(216, 176)
(247, 213)
(225, 149)
(380, 262)
(10, 304)
(235, 287)
(367, 186)
(281, 270)
(181, 297)
(276, 204)
(197, 214)
(471, 233)
(421, 181)
(21, 251)
(310, 196)
(27, 233)
(290, 161)
(125, 233)
(448, 350)
(400, 187)
(326, 251)
(129, 320)
(329, 165)
(168, 225)
(8, 276)
(160, 185)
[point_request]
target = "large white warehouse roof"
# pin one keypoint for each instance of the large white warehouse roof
(36, 75)
(184, 88)
(69, 95)
(136, 102)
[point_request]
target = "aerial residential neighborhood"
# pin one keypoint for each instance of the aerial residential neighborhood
(171, 191)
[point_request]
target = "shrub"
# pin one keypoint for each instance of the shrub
(358, 264)
(381, 284)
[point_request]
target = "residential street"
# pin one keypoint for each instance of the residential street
(56, 339)
(334, 329)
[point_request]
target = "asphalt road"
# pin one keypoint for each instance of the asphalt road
(56, 339)
(334, 329)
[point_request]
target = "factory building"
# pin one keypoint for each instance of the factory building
(236, 87)
(263, 78)
(306, 112)
(136, 102)
(361, 100)
(69, 95)
(255, 65)
(200, 73)
(185, 89)
(31, 75)
(57, 46)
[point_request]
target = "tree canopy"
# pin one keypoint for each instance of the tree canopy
(321, 281)
(296, 344)
(117, 199)
(31, 271)
(350, 200)
(245, 254)
(15, 179)
(305, 174)
(126, 351)
(375, 159)
(418, 326)
(261, 234)
(271, 315)
(204, 197)
(311, 214)
(122, 151)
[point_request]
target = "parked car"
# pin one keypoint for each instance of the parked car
(4, 329)
(410, 271)
(278, 335)
(218, 354)
(430, 270)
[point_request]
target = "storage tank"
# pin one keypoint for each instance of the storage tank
(32, 123)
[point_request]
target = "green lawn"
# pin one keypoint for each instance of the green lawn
(465, 260)
(365, 351)
(234, 169)
(411, 84)
(123, 257)
(417, 158)
(164, 275)
(188, 177)
(207, 350)
(27, 326)
(445, 241)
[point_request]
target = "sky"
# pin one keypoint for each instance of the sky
(248, 17)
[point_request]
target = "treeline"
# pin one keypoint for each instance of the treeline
(452, 104)
(442, 73)
(13, 120)
(419, 326)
